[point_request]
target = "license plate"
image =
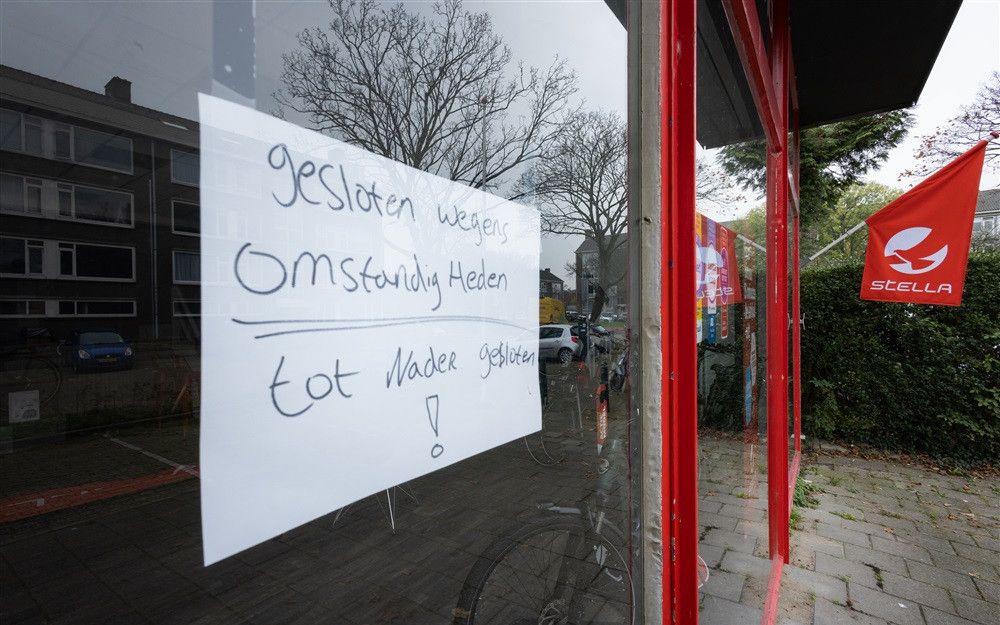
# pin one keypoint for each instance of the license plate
(108, 359)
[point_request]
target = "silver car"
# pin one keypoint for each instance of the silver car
(556, 342)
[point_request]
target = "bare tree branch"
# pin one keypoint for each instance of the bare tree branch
(425, 90)
(580, 189)
(957, 135)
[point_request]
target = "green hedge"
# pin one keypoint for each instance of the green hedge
(900, 376)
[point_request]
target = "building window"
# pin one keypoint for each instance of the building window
(21, 257)
(11, 137)
(57, 140)
(185, 167)
(22, 308)
(187, 267)
(96, 262)
(101, 149)
(187, 308)
(186, 218)
(52, 199)
(96, 308)
(92, 204)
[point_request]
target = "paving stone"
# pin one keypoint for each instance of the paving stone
(964, 565)
(716, 611)
(884, 561)
(835, 532)
(730, 540)
(738, 562)
(711, 554)
(977, 553)
(943, 578)
(930, 543)
(885, 606)
(711, 519)
(855, 572)
(921, 592)
(823, 585)
(816, 543)
(989, 590)
(724, 585)
(977, 610)
(829, 613)
(904, 550)
(937, 617)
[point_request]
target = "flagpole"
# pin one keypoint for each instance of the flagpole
(750, 241)
(836, 241)
(993, 135)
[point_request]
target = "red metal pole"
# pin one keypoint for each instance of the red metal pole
(777, 294)
(679, 401)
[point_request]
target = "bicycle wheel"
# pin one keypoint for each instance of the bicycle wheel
(550, 570)
(28, 372)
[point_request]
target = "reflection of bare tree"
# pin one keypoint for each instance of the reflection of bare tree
(438, 93)
(581, 190)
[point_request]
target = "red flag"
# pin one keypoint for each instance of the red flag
(918, 245)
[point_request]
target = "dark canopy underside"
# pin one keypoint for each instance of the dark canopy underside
(851, 58)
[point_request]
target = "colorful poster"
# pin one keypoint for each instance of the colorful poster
(717, 278)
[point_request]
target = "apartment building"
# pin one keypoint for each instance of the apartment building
(99, 216)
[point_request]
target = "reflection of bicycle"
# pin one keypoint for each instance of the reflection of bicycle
(25, 369)
(568, 564)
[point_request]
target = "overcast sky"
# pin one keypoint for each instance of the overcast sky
(165, 49)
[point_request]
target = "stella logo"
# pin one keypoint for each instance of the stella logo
(906, 246)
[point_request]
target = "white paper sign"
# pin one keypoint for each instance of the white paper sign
(363, 323)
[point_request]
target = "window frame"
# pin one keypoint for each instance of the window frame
(173, 265)
(175, 302)
(75, 277)
(27, 243)
(27, 308)
(173, 218)
(76, 302)
(173, 178)
(57, 215)
(49, 127)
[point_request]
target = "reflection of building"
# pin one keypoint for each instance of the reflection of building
(588, 268)
(986, 225)
(100, 211)
(549, 284)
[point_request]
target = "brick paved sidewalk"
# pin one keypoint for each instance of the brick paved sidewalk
(888, 543)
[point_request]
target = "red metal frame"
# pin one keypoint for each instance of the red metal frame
(679, 399)
(745, 25)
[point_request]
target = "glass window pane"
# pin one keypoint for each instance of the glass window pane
(32, 198)
(184, 167)
(34, 259)
(67, 307)
(103, 205)
(33, 143)
(66, 262)
(10, 130)
(10, 308)
(103, 308)
(12, 193)
(66, 202)
(102, 149)
(11, 255)
(63, 147)
(187, 267)
(36, 307)
(186, 217)
(93, 261)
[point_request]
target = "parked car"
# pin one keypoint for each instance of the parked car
(97, 349)
(557, 342)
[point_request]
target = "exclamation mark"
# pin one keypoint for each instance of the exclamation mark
(433, 403)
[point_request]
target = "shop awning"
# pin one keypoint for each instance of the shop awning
(851, 58)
